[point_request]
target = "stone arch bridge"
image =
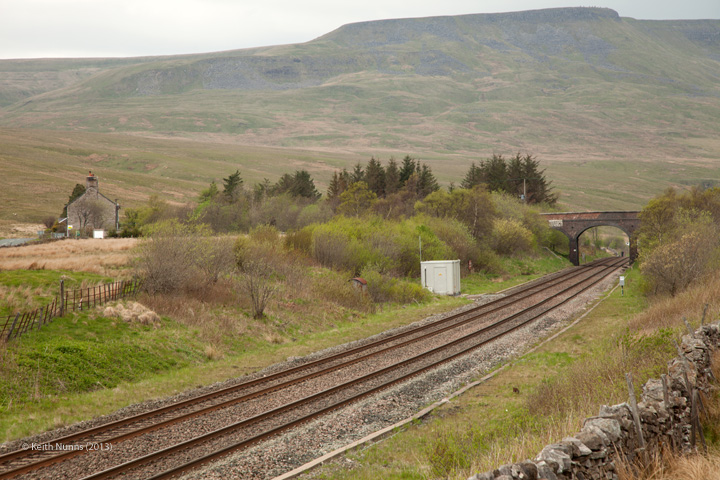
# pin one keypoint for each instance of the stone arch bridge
(574, 224)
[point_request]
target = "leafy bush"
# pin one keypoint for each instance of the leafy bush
(265, 234)
(392, 247)
(464, 247)
(300, 240)
(509, 236)
(337, 289)
(383, 288)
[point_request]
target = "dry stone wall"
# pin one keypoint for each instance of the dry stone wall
(665, 416)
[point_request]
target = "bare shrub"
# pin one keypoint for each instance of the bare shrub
(49, 221)
(175, 257)
(330, 248)
(164, 260)
(257, 274)
(673, 266)
(213, 257)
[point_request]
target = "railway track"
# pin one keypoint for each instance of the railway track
(266, 406)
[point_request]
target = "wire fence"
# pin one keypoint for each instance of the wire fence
(68, 301)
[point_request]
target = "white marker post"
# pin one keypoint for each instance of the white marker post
(622, 286)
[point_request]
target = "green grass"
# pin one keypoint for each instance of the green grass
(83, 352)
(50, 279)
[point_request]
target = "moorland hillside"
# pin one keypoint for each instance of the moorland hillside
(617, 109)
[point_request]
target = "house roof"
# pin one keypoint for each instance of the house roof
(99, 194)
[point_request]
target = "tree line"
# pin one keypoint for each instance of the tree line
(389, 190)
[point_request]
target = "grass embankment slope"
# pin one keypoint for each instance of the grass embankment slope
(560, 384)
(629, 105)
(93, 362)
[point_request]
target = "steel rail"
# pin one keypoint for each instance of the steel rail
(279, 410)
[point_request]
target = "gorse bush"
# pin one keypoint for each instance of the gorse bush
(384, 288)
(351, 243)
(300, 240)
(509, 236)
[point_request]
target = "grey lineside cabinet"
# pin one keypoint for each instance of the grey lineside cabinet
(441, 276)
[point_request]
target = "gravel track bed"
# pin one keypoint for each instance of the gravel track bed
(351, 423)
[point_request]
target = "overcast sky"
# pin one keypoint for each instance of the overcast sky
(126, 28)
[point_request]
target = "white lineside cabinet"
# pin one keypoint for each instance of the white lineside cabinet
(441, 276)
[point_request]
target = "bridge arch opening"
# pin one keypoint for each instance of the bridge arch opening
(601, 241)
(574, 224)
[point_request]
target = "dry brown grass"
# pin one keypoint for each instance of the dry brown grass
(87, 255)
(673, 466)
(214, 315)
(668, 311)
(132, 312)
(10, 229)
(21, 297)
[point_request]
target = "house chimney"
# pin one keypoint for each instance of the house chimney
(91, 183)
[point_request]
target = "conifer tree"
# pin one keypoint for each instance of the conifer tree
(209, 193)
(474, 176)
(303, 185)
(375, 177)
(392, 177)
(232, 185)
(358, 174)
(407, 169)
(427, 183)
(495, 173)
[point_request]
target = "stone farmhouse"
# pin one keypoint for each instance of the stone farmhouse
(92, 210)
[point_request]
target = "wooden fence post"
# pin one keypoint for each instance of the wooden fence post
(5, 326)
(636, 414)
(666, 400)
(13, 325)
(697, 405)
(19, 328)
(62, 297)
(689, 329)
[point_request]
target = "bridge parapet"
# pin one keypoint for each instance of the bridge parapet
(573, 224)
